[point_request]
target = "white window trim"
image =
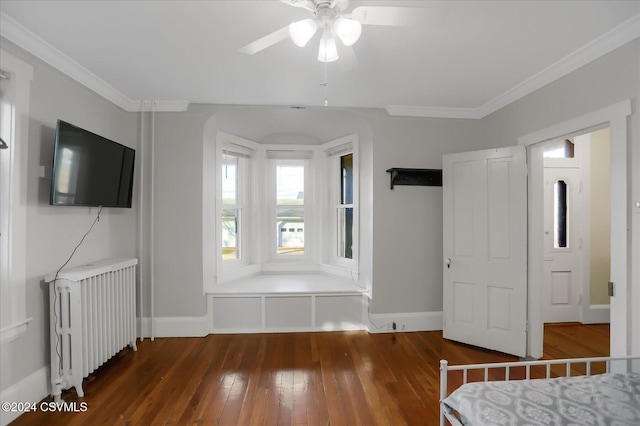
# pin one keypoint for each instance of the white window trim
(332, 151)
(277, 262)
(247, 198)
(14, 232)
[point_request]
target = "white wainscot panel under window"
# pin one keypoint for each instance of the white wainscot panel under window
(288, 312)
(237, 313)
(339, 312)
(283, 303)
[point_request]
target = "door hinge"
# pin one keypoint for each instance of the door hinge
(611, 289)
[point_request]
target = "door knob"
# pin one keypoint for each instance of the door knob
(447, 262)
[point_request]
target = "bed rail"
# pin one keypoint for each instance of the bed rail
(611, 364)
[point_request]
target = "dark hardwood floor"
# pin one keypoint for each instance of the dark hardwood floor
(336, 378)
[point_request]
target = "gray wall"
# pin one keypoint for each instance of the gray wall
(53, 232)
(407, 221)
(178, 213)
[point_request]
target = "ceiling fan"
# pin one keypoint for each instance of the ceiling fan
(332, 20)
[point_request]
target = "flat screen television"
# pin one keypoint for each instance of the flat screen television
(89, 170)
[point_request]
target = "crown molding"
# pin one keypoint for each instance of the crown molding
(32, 43)
(608, 42)
(159, 106)
(432, 112)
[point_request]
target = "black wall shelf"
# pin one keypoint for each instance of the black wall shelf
(420, 177)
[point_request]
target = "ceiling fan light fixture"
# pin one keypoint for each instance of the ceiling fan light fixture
(348, 30)
(328, 51)
(302, 31)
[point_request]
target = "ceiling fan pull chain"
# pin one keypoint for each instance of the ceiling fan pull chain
(326, 84)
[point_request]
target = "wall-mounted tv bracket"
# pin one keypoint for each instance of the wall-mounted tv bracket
(419, 177)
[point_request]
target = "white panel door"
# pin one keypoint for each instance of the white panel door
(485, 249)
(562, 243)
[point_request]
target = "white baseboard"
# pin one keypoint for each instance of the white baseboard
(337, 327)
(174, 327)
(597, 314)
(405, 321)
(178, 326)
(31, 389)
(197, 327)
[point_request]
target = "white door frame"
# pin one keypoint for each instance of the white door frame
(616, 117)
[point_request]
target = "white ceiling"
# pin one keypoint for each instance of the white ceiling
(469, 58)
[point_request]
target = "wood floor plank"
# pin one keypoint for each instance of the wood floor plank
(337, 378)
(201, 363)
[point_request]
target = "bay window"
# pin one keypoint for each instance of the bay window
(286, 208)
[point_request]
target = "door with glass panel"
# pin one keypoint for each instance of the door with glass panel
(562, 241)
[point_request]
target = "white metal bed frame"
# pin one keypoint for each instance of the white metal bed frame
(621, 364)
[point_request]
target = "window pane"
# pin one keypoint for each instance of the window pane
(290, 184)
(560, 210)
(346, 168)
(290, 231)
(230, 219)
(345, 233)
(229, 179)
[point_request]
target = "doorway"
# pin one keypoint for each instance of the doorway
(615, 116)
(576, 209)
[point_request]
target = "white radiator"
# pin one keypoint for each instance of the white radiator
(92, 316)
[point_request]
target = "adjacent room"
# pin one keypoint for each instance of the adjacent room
(289, 211)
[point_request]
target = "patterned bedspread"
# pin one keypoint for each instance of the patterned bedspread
(604, 399)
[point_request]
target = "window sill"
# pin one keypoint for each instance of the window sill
(289, 284)
(14, 331)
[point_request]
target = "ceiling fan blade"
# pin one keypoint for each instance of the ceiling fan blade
(266, 41)
(389, 15)
(305, 4)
